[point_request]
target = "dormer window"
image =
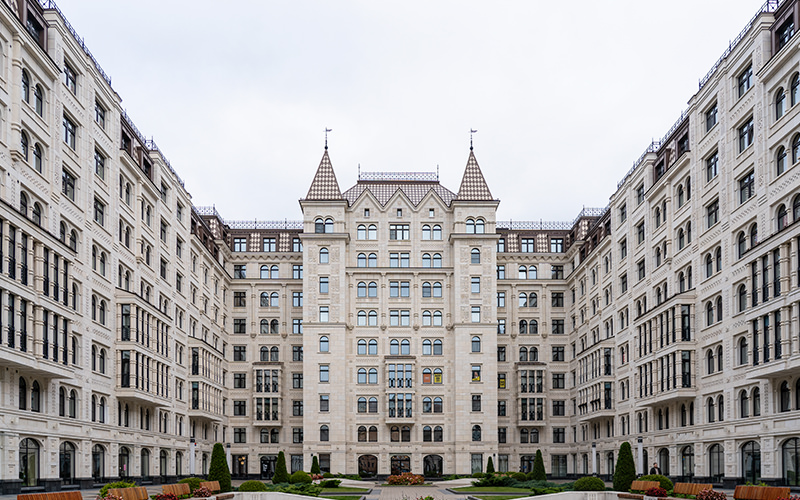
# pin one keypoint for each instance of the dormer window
(431, 213)
(366, 212)
(399, 212)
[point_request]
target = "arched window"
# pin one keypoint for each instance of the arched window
(716, 462)
(709, 265)
(264, 326)
(362, 347)
(102, 312)
(795, 149)
(523, 354)
(437, 347)
(372, 289)
(273, 272)
(264, 353)
(742, 295)
(783, 217)
(29, 462)
(479, 226)
(743, 351)
(101, 410)
(751, 462)
(709, 313)
(405, 434)
(523, 273)
(373, 376)
(328, 225)
(790, 452)
(523, 299)
(23, 204)
(718, 258)
(719, 308)
(437, 318)
(323, 255)
(426, 232)
(26, 86)
(362, 260)
(780, 102)
(437, 232)
(437, 260)
(62, 402)
(102, 361)
(362, 375)
(720, 359)
(426, 289)
(470, 226)
(780, 161)
(741, 244)
(523, 327)
(476, 432)
(438, 434)
(319, 225)
(720, 408)
(785, 397)
(795, 89)
(373, 347)
(475, 256)
(323, 433)
(361, 232)
(533, 327)
(273, 353)
(437, 289)
(405, 347)
(38, 162)
(324, 344)
(710, 365)
(476, 344)
(394, 347)
(756, 397)
(362, 433)
(372, 260)
(711, 412)
(72, 404)
(274, 326)
(373, 318)
(38, 100)
(744, 404)
(427, 347)
(426, 260)
(427, 433)
(437, 405)
(373, 432)
(372, 232)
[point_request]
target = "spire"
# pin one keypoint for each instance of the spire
(473, 185)
(324, 186)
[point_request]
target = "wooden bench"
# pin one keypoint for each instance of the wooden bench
(644, 485)
(60, 495)
(690, 488)
(213, 486)
(760, 492)
(179, 489)
(136, 493)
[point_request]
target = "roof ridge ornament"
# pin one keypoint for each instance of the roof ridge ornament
(326, 136)
(471, 131)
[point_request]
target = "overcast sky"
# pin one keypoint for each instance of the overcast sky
(565, 95)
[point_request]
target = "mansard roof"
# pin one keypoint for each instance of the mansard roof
(473, 185)
(324, 187)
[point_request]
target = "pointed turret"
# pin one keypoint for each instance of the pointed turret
(473, 185)
(324, 186)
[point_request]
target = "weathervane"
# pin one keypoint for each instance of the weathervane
(326, 136)
(471, 131)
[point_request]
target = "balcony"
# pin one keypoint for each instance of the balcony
(602, 414)
(776, 368)
(26, 363)
(671, 396)
(204, 414)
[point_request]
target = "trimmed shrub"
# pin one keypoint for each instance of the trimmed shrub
(478, 475)
(253, 486)
(218, 470)
(315, 465)
(716, 495)
(664, 481)
(519, 476)
(490, 466)
(625, 472)
(538, 467)
(327, 474)
(117, 484)
(193, 482)
(299, 477)
(281, 476)
(494, 480)
(330, 483)
(589, 483)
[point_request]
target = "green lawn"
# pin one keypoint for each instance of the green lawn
(493, 489)
(343, 497)
(342, 489)
(500, 497)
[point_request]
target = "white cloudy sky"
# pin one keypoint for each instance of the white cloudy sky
(565, 95)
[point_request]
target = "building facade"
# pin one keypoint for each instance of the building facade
(398, 326)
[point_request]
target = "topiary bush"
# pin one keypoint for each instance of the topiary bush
(315, 465)
(664, 481)
(494, 480)
(490, 466)
(538, 467)
(519, 476)
(299, 477)
(193, 482)
(253, 486)
(281, 476)
(218, 470)
(327, 474)
(114, 485)
(330, 483)
(625, 472)
(589, 483)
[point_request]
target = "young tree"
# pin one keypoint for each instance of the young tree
(315, 465)
(490, 466)
(218, 470)
(625, 472)
(281, 476)
(538, 467)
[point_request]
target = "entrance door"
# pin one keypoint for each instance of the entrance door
(432, 466)
(240, 466)
(367, 465)
(268, 466)
(401, 464)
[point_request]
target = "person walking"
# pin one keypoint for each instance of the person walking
(654, 469)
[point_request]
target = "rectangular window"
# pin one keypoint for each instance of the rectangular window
(527, 245)
(556, 245)
(557, 299)
(323, 314)
(747, 187)
(623, 283)
(68, 184)
(559, 408)
(297, 271)
(501, 380)
(99, 164)
(501, 408)
(99, 114)
(558, 326)
(239, 299)
(745, 80)
(99, 212)
(240, 353)
(558, 353)
(324, 403)
(323, 284)
(239, 408)
(297, 380)
(476, 373)
(297, 245)
(640, 233)
(240, 244)
(711, 117)
(69, 132)
(268, 245)
(623, 249)
(558, 381)
(476, 314)
(712, 166)
(640, 269)
(476, 402)
(475, 284)
(239, 380)
(501, 272)
(239, 435)
(501, 299)
(559, 436)
(712, 213)
(746, 135)
(623, 213)
(785, 32)
(557, 272)
(239, 271)
(239, 325)
(297, 326)
(399, 232)
(640, 194)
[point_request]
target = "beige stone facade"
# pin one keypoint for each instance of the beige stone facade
(398, 325)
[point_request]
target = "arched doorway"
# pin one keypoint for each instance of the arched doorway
(687, 461)
(791, 461)
(205, 463)
(367, 465)
(663, 461)
(66, 462)
(145, 463)
(401, 464)
(163, 463)
(432, 465)
(268, 466)
(716, 462)
(610, 463)
(239, 466)
(751, 462)
(645, 461)
(98, 463)
(585, 460)
(178, 463)
(29, 462)
(124, 462)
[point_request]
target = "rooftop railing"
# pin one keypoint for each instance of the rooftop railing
(249, 224)
(399, 176)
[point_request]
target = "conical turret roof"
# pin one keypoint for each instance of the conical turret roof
(324, 186)
(473, 185)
